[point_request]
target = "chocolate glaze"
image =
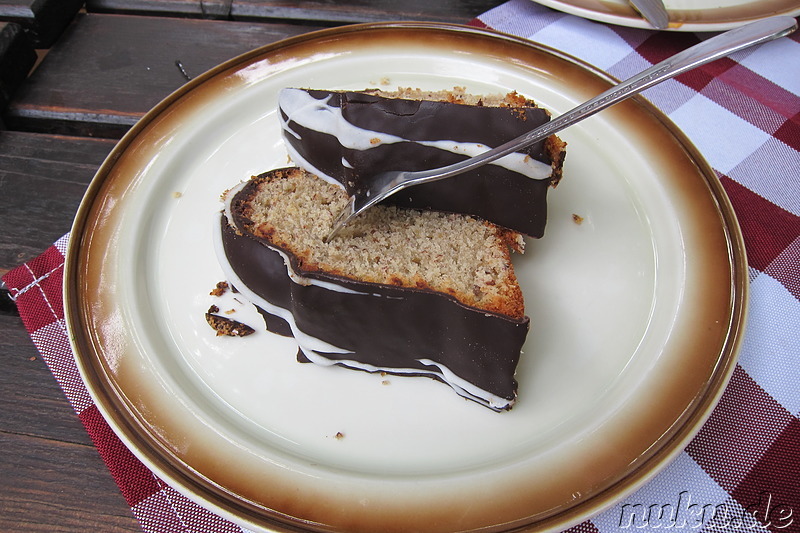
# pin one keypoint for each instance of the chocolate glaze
(491, 192)
(385, 326)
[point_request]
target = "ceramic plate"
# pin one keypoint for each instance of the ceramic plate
(685, 15)
(636, 295)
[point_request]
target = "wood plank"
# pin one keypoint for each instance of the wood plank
(108, 70)
(42, 181)
(31, 402)
(51, 476)
(17, 56)
(43, 20)
(58, 487)
(325, 12)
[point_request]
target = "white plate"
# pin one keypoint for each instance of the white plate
(636, 312)
(684, 15)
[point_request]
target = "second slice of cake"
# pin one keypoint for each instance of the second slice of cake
(346, 137)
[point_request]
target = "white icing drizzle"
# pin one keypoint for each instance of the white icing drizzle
(468, 389)
(461, 386)
(318, 115)
(515, 162)
(227, 198)
(307, 342)
(302, 162)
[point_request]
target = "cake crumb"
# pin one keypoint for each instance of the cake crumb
(339, 435)
(577, 219)
(297, 211)
(177, 194)
(226, 326)
(386, 382)
(220, 289)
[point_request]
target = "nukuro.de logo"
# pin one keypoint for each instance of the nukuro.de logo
(683, 513)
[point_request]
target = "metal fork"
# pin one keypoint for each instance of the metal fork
(653, 12)
(385, 184)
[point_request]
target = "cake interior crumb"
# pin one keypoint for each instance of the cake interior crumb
(450, 253)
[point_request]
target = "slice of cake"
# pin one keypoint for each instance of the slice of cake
(347, 137)
(404, 291)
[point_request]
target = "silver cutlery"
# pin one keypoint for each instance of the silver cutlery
(385, 184)
(653, 12)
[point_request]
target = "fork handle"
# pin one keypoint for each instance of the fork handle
(714, 48)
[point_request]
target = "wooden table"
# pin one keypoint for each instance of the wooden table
(97, 68)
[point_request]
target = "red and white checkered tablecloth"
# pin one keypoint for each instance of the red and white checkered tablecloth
(742, 471)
